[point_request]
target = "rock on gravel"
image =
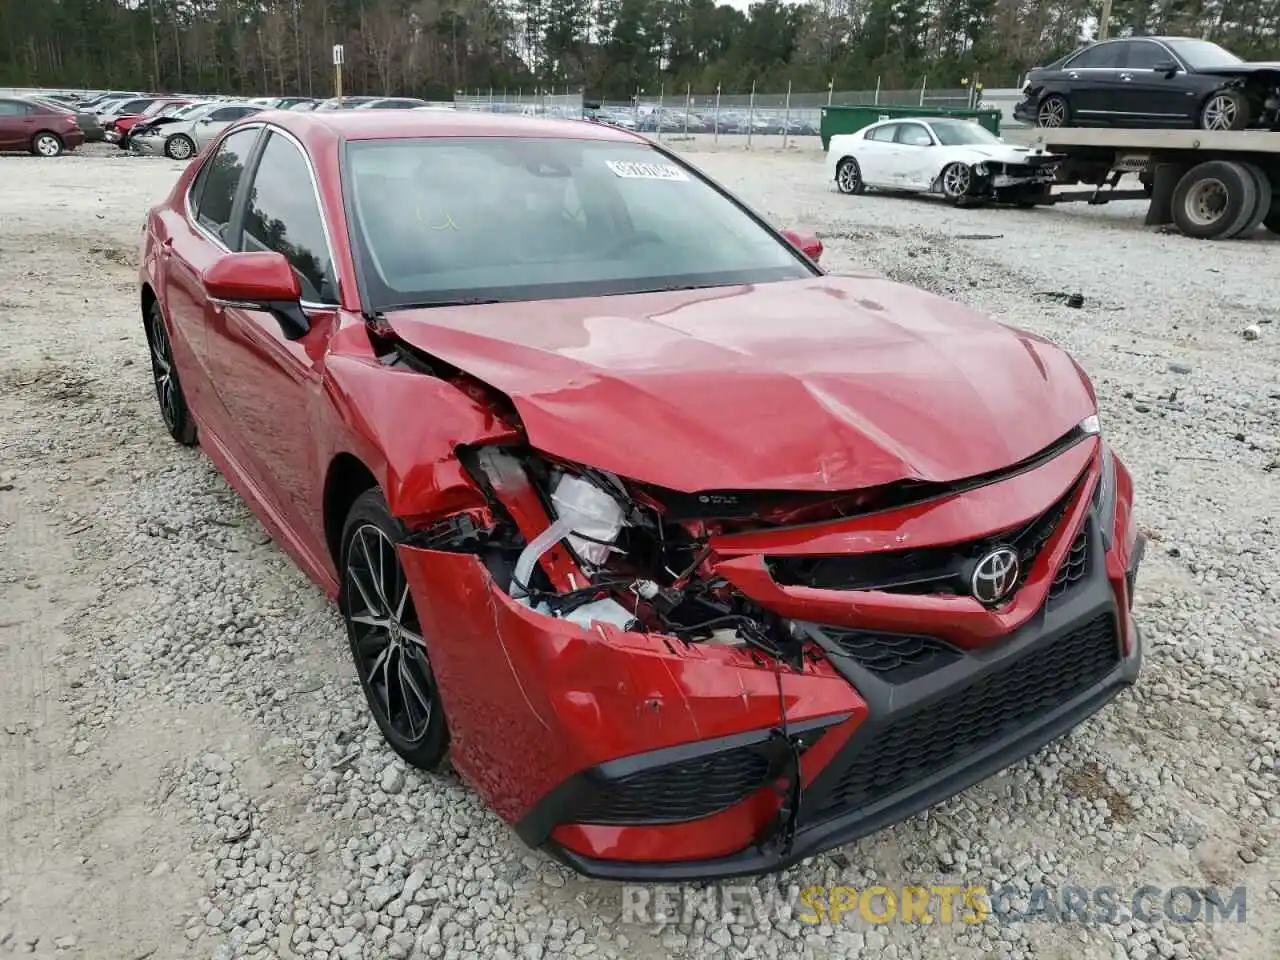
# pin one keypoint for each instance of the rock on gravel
(292, 831)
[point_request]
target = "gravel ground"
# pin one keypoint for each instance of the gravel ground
(186, 766)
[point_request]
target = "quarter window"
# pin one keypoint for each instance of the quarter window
(283, 214)
(218, 180)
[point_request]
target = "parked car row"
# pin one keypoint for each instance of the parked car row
(154, 124)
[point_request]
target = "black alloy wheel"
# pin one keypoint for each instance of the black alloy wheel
(164, 374)
(386, 638)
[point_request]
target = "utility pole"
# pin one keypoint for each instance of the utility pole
(1104, 24)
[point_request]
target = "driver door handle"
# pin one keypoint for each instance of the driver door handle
(1073, 75)
(1126, 76)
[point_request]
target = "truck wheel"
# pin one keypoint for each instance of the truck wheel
(1214, 200)
(1225, 110)
(1262, 207)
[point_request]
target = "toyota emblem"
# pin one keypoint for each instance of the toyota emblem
(995, 576)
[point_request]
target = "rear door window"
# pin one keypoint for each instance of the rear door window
(884, 134)
(1099, 56)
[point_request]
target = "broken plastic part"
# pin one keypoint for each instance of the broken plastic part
(530, 555)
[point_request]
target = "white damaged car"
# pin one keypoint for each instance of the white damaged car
(955, 158)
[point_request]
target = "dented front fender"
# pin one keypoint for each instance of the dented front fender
(410, 425)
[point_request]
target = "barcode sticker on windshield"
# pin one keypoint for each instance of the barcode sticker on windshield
(631, 170)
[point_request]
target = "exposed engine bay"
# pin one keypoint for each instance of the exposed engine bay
(583, 545)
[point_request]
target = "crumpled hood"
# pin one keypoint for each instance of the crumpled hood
(822, 384)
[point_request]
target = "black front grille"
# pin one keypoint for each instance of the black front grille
(895, 757)
(1075, 567)
(686, 790)
(926, 570)
(895, 658)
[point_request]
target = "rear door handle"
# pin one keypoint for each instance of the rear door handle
(1126, 76)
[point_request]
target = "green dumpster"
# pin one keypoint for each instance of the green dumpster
(852, 117)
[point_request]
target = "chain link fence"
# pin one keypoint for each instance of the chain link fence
(537, 103)
(743, 115)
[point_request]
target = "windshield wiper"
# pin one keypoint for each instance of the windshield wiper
(429, 304)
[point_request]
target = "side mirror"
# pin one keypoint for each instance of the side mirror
(1167, 67)
(259, 281)
(810, 246)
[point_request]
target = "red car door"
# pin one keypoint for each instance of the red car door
(17, 124)
(268, 384)
(192, 242)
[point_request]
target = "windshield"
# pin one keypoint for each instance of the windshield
(958, 133)
(1203, 55)
(444, 220)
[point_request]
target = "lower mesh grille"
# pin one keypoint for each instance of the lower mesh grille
(1074, 568)
(897, 756)
(686, 790)
(895, 658)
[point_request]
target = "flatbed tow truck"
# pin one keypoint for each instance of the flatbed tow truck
(1210, 184)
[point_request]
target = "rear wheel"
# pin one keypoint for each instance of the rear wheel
(173, 403)
(1225, 110)
(385, 635)
(1053, 112)
(179, 147)
(1214, 200)
(46, 144)
(849, 176)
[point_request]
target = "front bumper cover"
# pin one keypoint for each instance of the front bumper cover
(1092, 601)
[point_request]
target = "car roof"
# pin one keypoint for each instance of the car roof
(319, 126)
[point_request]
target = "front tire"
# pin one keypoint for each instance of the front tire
(1054, 111)
(1225, 110)
(179, 147)
(957, 182)
(385, 635)
(849, 176)
(164, 373)
(46, 144)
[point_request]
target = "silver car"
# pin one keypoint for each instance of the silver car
(185, 138)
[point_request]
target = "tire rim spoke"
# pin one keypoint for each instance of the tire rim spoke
(385, 636)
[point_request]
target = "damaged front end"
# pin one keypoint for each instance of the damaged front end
(659, 684)
(671, 685)
(606, 689)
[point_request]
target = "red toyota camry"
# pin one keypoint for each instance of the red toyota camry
(695, 559)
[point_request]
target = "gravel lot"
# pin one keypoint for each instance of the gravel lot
(186, 767)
